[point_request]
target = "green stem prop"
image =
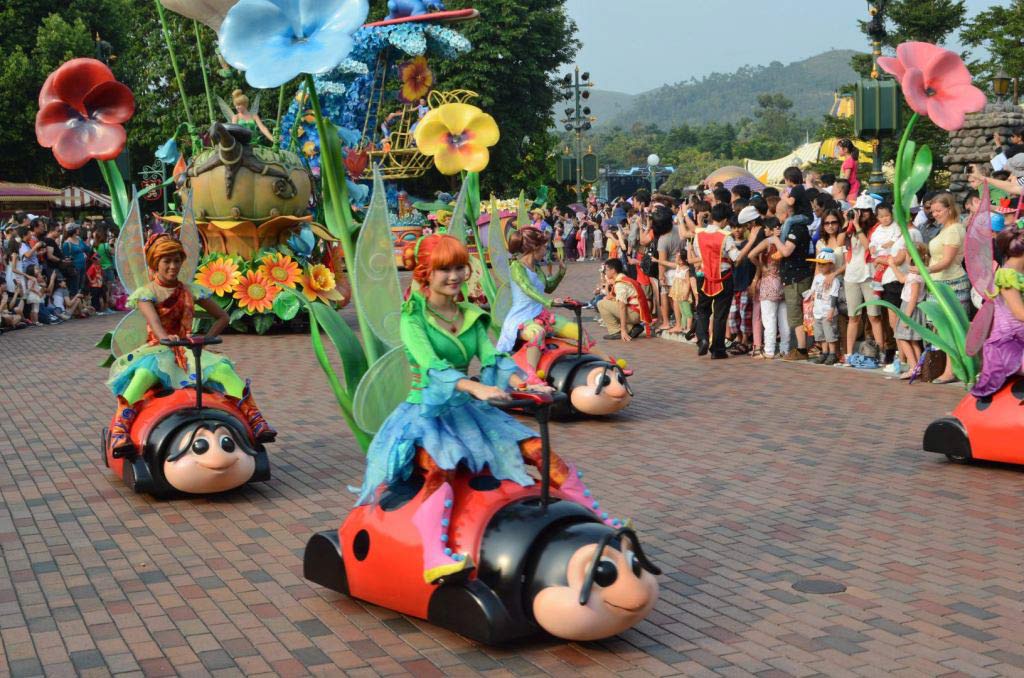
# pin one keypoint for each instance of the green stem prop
(952, 320)
(202, 68)
(338, 214)
(280, 108)
(340, 394)
(174, 65)
(118, 193)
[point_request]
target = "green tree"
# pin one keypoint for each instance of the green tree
(519, 50)
(921, 20)
(1000, 30)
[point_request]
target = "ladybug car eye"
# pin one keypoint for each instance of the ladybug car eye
(201, 446)
(634, 563)
(605, 573)
(605, 380)
(227, 443)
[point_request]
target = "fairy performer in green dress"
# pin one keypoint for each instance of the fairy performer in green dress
(445, 421)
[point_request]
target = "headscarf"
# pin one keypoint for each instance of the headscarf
(161, 246)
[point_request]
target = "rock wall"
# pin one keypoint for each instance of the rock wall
(971, 143)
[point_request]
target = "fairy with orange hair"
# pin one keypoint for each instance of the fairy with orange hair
(446, 420)
(167, 304)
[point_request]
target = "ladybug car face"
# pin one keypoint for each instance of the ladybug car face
(208, 457)
(600, 390)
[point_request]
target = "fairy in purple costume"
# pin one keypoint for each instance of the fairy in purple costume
(1003, 352)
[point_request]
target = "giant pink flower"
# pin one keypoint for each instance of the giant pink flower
(935, 83)
(81, 112)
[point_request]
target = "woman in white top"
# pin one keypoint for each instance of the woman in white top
(857, 273)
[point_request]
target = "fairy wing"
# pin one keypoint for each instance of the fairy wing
(457, 226)
(255, 108)
(129, 335)
(188, 235)
(497, 248)
(129, 255)
(502, 304)
(978, 256)
(383, 388)
(377, 292)
(225, 110)
(522, 214)
(980, 327)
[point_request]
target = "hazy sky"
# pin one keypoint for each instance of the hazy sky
(636, 45)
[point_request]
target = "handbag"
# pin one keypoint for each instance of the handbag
(649, 263)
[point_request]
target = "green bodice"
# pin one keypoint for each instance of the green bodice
(430, 346)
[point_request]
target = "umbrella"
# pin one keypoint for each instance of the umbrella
(731, 176)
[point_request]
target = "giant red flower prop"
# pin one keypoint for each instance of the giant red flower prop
(935, 83)
(81, 112)
(356, 161)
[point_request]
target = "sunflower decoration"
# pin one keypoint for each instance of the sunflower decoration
(309, 148)
(457, 136)
(280, 270)
(417, 80)
(255, 292)
(219, 275)
(319, 283)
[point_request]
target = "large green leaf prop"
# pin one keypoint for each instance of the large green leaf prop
(497, 248)
(457, 225)
(379, 298)
(384, 386)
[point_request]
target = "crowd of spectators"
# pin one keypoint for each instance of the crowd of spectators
(797, 264)
(54, 272)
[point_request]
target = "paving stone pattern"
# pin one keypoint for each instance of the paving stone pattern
(742, 477)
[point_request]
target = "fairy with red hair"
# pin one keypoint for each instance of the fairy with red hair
(446, 420)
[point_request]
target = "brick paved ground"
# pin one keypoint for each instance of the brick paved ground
(742, 477)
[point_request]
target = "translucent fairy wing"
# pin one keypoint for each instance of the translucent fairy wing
(383, 388)
(502, 304)
(377, 292)
(129, 256)
(129, 335)
(188, 234)
(977, 333)
(978, 255)
(255, 108)
(497, 248)
(457, 226)
(225, 110)
(522, 214)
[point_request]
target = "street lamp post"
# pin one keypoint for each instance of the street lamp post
(575, 87)
(1001, 84)
(652, 166)
(876, 30)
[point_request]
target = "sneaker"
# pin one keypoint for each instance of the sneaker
(842, 361)
(819, 359)
(891, 368)
(794, 355)
(830, 359)
(612, 337)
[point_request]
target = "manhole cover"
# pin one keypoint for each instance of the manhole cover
(818, 586)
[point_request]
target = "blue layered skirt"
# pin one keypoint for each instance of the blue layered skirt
(453, 428)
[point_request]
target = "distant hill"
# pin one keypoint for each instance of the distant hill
(728, 97)
(606, 104)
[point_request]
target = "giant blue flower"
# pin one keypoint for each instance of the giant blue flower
(275, 40)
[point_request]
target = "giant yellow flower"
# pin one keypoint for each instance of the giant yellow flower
(457, 136)
(219, 275)
(256, 293)
(319, 283)
(280, 270)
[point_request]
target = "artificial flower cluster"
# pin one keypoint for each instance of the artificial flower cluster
(256, 289)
